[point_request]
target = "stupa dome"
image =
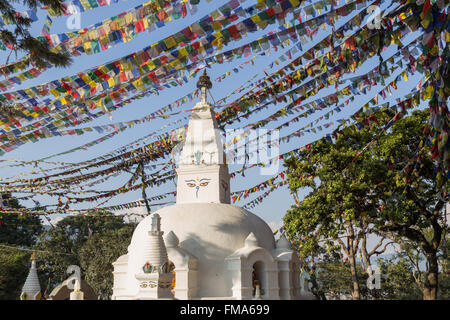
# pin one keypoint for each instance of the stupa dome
(209, 231)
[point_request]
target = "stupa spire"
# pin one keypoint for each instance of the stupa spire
(31, 289)
(202, 171)
(155, 278)
(204, 83)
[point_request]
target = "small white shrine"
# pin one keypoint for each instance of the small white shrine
(211, 249)
(31, 289)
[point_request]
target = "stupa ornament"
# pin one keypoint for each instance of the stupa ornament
(147, 268)
(204, 83)
(198, 156)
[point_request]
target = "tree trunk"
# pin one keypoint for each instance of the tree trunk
(355, 280)
(369, 270)
(315, 288)
(430, 288)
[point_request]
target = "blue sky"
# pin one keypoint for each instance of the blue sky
(276, 204)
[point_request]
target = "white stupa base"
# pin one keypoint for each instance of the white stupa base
(154, 286)
(76, 295)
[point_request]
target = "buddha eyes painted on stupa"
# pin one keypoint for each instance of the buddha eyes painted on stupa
(197, 183)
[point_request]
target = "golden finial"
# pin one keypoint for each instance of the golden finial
(204, 84)
(33, 256)
(204, 81)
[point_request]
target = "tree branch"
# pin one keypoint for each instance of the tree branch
(344, 247)
(414, 198)
(409, 233)
(379, 244)
(384, 248)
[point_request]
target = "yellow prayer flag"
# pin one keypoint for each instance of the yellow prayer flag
(138, 84)
(55, 92)
(425, 22)
(21, 77)
(255, 19)
(175, 63)
(261, 4)
(92, 35)
(111, 82)
(428, 92)
(405, 76)
(129, 18)
(86, 78)
(170, 42)
(215, 14)
(216, 26)
(182, 52)
(87, 47)
(151, 65)
(345, 91)
(434, 51)
(146, 24)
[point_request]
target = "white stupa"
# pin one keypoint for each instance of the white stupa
(218, 250)
(31, 289)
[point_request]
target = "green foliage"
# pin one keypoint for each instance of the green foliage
(98, 254)
(14, 266)
(400, 279)
(335, 279)
(398, 282)
(22, 230)
(15, 231)
(63, 243)
(340, 190)
(444, 286)
(18, 37)
(352, 192)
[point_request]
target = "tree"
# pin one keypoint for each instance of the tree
(355, 193)
(414, 259)
(335, 210)
(403, 275)
(308, 265)
(20, 39)
(16, 36)
(410, 201)
(16, 229)
(398, 280)
(14, 267)
(98, 254)
(61, 245)
(335, 278)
